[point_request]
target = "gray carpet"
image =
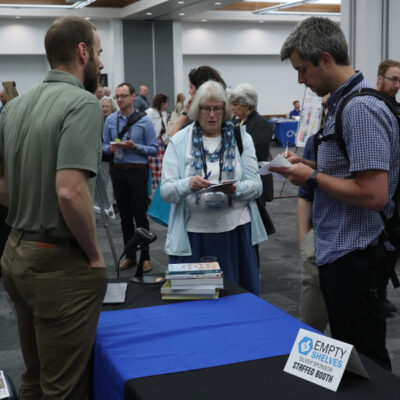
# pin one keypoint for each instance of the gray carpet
(280, 274)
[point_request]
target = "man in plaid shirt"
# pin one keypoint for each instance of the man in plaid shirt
(351, 252)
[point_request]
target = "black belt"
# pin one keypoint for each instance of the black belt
(129, 165)
(44, 238)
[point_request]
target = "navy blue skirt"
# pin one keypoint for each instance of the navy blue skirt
(234, 252)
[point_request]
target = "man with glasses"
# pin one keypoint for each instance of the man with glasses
(129, 173)
(388, 80)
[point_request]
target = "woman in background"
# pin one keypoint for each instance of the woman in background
(225, 224)
(197, 76)
(158, 115)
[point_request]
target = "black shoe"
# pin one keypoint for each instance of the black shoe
(388, 307)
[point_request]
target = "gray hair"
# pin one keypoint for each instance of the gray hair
(245, 95)
(213, 91)
(110, 101)
(313, 36)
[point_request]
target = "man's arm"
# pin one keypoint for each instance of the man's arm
(368, 190)
(3, 188)
(304, 211)
(76, 207)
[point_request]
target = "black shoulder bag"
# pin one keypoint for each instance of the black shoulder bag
(266, 219)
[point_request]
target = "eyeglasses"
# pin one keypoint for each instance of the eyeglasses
(393, 79)
(216, 109)
(121, 96)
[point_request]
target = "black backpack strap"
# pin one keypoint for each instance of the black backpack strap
(238, 138)
(356, 93)
(135, 117)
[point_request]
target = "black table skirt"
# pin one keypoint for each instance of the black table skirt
(258, 379)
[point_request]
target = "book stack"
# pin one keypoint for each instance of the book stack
(192, 281)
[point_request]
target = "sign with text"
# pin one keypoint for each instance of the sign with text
(322, 360)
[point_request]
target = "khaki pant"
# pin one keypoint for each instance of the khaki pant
(57, 297)
(312, 304)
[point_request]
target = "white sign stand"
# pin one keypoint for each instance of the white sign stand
(4, 393)
(310, 117)
(322, 360)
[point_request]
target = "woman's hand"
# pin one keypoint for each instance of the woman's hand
(229, 190)
(197, 183)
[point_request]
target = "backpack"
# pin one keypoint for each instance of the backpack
(392, 226)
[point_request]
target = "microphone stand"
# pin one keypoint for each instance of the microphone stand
(142, 237)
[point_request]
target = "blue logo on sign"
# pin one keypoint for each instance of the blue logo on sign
(305, 345)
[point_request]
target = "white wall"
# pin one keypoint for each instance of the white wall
(275, 81)
(22, 53)
(244, 52)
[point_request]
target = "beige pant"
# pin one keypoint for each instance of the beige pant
(57, 297)
(312, 304)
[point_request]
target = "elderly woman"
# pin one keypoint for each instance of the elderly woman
(108, 106)
(224, 224)
(158, 115)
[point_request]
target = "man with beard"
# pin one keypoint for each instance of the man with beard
(53, 268)
(388, 80)
(352, 253)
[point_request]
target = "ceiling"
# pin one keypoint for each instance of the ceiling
(191, 10)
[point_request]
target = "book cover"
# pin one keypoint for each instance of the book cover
(190, 296)
(193, 268)
(193, 276)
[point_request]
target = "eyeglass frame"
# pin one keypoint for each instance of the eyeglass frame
(394, 79)
(122, 96)
(208, 109)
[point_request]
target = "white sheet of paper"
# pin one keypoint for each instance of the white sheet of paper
(216, 186)
(278, 161)
(4, 393)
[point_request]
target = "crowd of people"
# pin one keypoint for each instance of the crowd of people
(216, 137)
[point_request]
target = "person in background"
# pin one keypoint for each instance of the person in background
(312, 303)
(158, 115)
(141, 101)
(99, 92)
(243, 100)
(388, 82)
(197, 76)
(296, 110)
(129, 173)
(176, 113)
(3, 98)
(53, 268)
(224, 224)
(107, 91)
(108, 106)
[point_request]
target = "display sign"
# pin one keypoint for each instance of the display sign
(4, 393)
(310, 117)
(322, 360)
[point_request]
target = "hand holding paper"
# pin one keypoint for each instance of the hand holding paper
(278, 161)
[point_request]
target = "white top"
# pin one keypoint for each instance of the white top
(212, 214)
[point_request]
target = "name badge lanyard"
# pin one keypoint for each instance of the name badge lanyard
(128, 132)
(221, 161)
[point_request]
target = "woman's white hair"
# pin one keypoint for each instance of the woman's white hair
(209, 91)
(245, 95)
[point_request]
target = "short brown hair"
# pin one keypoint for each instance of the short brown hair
(386, 64)
(63, 37)
(158, 100)
(129, 85)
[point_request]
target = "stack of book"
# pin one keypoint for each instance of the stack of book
(192, 281)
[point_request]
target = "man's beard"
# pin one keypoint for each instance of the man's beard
(91, 78)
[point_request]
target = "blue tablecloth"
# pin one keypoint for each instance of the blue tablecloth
(178, 337)
(285, 131)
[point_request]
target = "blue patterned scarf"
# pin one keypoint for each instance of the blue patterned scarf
(228, 147)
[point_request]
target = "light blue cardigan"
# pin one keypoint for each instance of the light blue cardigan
(175, 188)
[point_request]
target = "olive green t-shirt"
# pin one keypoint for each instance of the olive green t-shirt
(56, 125)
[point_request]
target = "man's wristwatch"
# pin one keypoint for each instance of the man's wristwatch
(312, 180)
(184, 113)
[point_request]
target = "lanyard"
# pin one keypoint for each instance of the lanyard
(204, 161)
(128, 131)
